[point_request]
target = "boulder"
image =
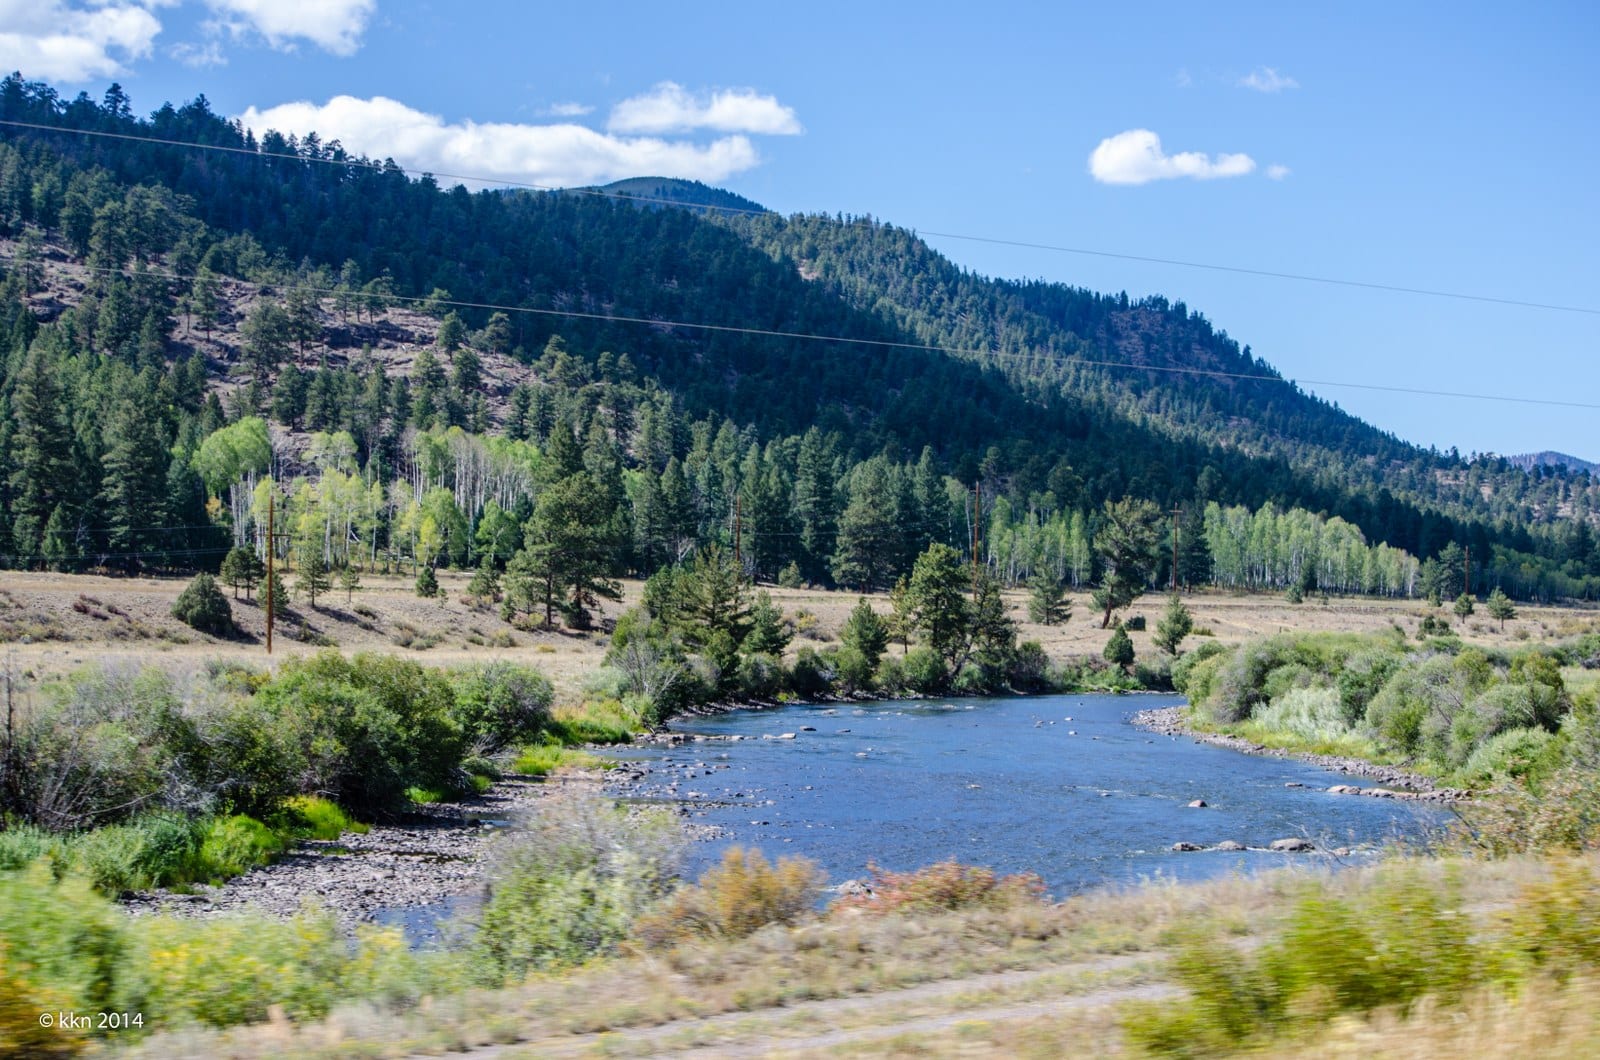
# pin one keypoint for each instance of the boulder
(1228, 846)
(1198, 804)
(1185, 848)
(1293, 845)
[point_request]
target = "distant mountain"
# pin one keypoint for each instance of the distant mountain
(669, 191)
(1529, 461)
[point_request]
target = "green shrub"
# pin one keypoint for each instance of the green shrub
(1310, 714)
(366, 728)
(1194, 674)
(854, 669)
(760, 676)
(738, 897)
(811, 675)
(1361, 678)
(1240, 684)
(1513, 753)
(540, 760)
(499, 704)
(891, 676)
(22, 845)
(154, 851)
(313, 817)
(1030, 668)
(203, 606)
(571, 885)
(234, 845)
(924, 670)
(1388, 946)
(84, 954)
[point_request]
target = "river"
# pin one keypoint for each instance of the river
(1065, 786)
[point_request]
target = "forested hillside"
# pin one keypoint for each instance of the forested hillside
(413, 344)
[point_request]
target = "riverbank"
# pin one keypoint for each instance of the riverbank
(432, 854)
(1395, 782)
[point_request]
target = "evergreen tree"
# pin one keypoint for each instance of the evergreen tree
(1501, 608)
(865, 632)
(768, 635)
(1047, 600)
(202, 606)
(1119, 649)
(1463, 606)
(349, 580)
(273, 596)
(312, 580)
(936, 599)
(1128, 543)
(41, 451)
(870, 535)
(242, 570)
(133, 481)
(1175, 625)
(485, 583)
(571, 543)
(710, 603)
(427, 583)
(993, 633)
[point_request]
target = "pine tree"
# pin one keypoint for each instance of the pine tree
(1128, 543)
(768, 635)
(41, 451)
(571, 544)
(1501, 608)
(485, 583)
(1047, 600)
(312, 580)
(1175, 625)
(869, 539)
(202, 606)
(427, 583)
(133, 481)
(349, 580)
(937, 601)
(242, 569)
(1463, 606)
(865, 632)
(1119, 649)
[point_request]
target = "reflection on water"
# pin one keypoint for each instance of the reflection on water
(1061, 785)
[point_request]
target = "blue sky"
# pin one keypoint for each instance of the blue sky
(1441, 146)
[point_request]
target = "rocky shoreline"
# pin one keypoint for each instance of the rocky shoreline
(432, 854)
(1394, 783)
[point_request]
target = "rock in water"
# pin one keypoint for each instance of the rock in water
(1198, 804)
(1293, 845)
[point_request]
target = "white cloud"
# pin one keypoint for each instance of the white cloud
(1183, 79)
(568, 110)
(198, 56)
(669, 107)
(561, 155)
(1278, 172)
(1135, 157)
(1266, 79)
(332, 25)
(61, 41)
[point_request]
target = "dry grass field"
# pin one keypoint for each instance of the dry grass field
(53, 623)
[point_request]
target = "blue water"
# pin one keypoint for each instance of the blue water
(1010, 783)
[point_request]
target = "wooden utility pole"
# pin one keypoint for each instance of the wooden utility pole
(272, 585)
(1175, 513)
(977, 515)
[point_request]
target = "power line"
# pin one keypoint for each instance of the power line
(390, 166)
(978, 355)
